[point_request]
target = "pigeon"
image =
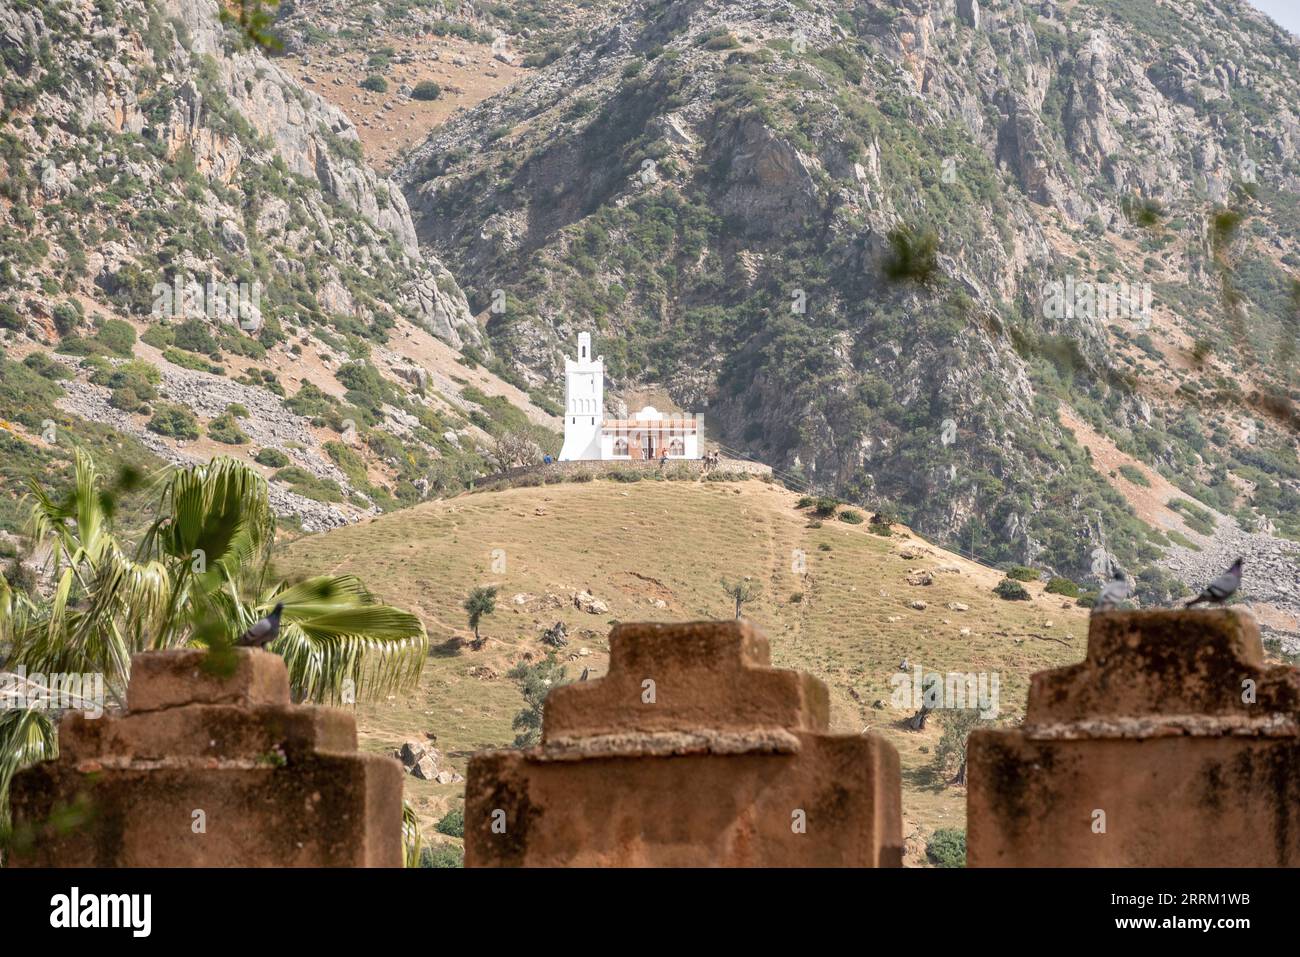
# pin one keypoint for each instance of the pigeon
(264, 631)
(1222, 588)
(1114, 591)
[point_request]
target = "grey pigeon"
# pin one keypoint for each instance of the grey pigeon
(1114, 591)
(264, 630)
(1222, 588)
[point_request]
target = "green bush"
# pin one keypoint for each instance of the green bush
(1011, 590)
(1062, 586)
(117, 336)
(947, 847)
(174, 421)
(826, 507)
(375, 83)
(9, 318)
(193, 335)
(309, 486)
(126, 399)
(851, 516)
(224, 428)
(271, 458)
(68, 316)
(452, 823)
(1022, 574)
(45, 367)
(1134, 475)
(426, 90)
(443, 855)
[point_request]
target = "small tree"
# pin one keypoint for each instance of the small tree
(740, 592)
(514, 450)
(536, 681)
(481, 601)
(957, 726)
(426, 90)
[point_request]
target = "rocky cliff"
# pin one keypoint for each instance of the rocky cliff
(885, 245)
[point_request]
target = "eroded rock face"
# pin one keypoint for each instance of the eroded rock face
(1169, 746)
(692, 751)
(229, 112)
(210, 766)
(742, 188)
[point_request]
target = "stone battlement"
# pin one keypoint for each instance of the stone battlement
(207, 768)
(692, 751)
(1172, 744)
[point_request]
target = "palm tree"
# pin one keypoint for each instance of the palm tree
(199, 576)
(481, 601)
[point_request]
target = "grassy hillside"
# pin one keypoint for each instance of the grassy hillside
(655, 551)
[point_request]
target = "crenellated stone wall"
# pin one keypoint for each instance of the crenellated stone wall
(209, 769)
(1172, 745)
(692, 751)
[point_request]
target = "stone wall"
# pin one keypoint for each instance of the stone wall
(1171, 745)
(209, 769)
(559, 471)
(692, 751)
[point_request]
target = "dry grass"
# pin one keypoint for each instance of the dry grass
(639, 544)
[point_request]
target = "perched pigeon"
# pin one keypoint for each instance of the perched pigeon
(1222, 588)
(1114, 591)
(264, 631)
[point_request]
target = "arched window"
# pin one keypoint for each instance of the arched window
(620, 446)
(677, 447)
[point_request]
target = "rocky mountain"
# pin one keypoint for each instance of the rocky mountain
(893, 248)
(197, 259)
(1022, 274)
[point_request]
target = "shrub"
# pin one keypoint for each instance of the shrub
(224, 428)
(826, 507)
(117, 336)
(67, 317)
(272, 458)
(851, 516)
(45, 367)
(304, 483)
(947, 847)
(193, 335)
(174, 421)
(9, 318)
(1134, 475)
(442, 855)
(452, 823)
(238, 410)
(426, 90)
(125, 399)
(1010, 590)
(1022, 574)
(375, 83)
(805, 501)
(1062, 586)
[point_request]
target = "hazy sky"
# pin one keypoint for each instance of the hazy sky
(1285, 12)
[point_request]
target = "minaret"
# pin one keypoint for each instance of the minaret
(584, 403)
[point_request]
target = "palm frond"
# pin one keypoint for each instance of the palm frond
(26, 736)
(412, 838)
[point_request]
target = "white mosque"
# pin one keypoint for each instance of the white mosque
(648, 435)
